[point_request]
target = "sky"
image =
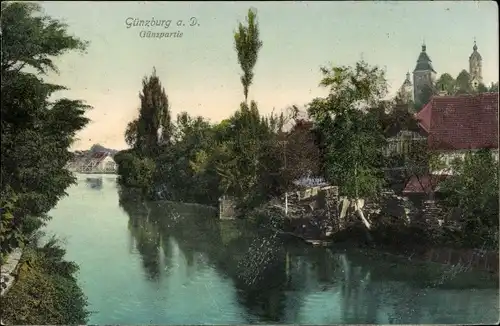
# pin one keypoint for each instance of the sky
(200, 71)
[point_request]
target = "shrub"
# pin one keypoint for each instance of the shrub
(46, 291)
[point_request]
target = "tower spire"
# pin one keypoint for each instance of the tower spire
(475, 45)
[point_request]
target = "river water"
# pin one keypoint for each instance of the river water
(169, 263)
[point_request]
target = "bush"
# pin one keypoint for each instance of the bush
(46, 291)
(135, 171)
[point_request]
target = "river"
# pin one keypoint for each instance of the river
(169, 263)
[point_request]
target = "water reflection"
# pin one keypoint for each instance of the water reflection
(281, 281)
(94, 182)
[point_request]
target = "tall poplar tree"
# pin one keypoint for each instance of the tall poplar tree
(154, 126)
(247, 44)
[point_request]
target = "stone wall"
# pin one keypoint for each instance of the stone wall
(227, 208)
(9, 269)
(328, 199)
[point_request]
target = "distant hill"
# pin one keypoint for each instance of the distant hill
(96, 148)
(100, 148)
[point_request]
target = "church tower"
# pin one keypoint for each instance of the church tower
(405, 92)
(475, 67)
(424, 74)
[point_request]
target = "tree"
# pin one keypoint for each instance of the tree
(446, 83)
(36, 136)
(353, 137)
(247, 44)
(463, 83)
(154, 122)
(473, 189)
(240, 173)
(135, 172)
(131, 133)
(302, 151)
(494, 87)
(36, 133)
(250, 158)
(481, 88)
(187, 168)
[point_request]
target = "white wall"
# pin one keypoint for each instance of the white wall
(107, 164)
(448, 158)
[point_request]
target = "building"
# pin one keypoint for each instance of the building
(98, 162)
(475, 67)
(453, 126)
(424, 74)
(405, 92)
(457, 124)
(400, 135)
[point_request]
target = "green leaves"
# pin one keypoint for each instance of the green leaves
(36, 132)
(463, 83)
(352, 136)
(446, 83)
(154, 115)
(46, 291)
(30, 38)
(474, 188)
(135, 172)
(131, 133)
(247, 45)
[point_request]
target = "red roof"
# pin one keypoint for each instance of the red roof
(423, 184)
(461, 122)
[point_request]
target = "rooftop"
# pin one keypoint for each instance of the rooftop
(424, 62)
(461, 122)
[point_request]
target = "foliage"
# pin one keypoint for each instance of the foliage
(151, 133)
(446, 83)
(247, 44)
(11, 236)
(135, 171)
(463, 83)
(352, 135)
(473, 190)
(200, 161)
(36, 133)
(131, 133)
(46, 291)
(153, 125)
(251, 167)
(481, 88)
(30, 39)
(493, 87)
(302, 150)
(185, 169)
(421, 164)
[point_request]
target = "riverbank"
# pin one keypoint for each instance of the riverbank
(45, 290)
(9, 270)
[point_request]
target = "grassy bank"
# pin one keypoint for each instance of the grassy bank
(46, 291)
